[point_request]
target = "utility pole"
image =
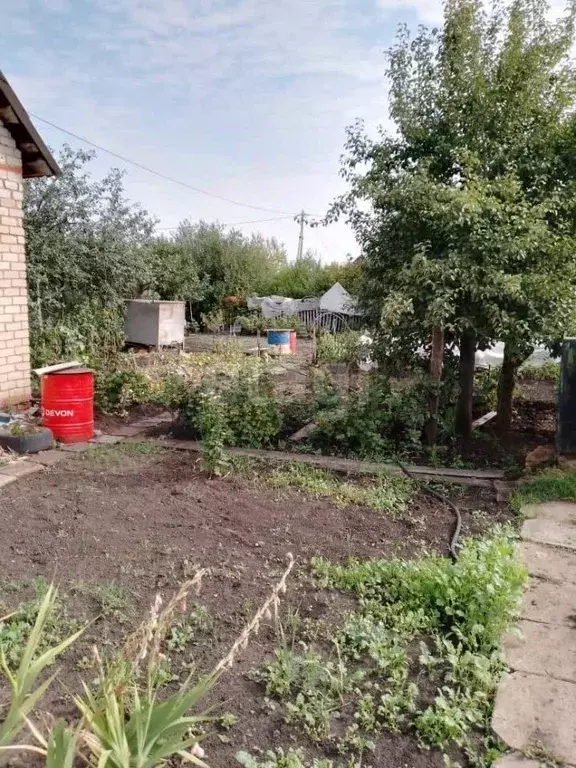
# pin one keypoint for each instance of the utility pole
(300, 251)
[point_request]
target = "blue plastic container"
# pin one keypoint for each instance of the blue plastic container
(280, 340)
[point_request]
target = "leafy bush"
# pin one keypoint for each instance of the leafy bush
(338, 348)
(239, 411)
(486, 387)
(117, 390)
(90, 333)
(550, 371)
(252, 412)
(374, 422)
(213, 431)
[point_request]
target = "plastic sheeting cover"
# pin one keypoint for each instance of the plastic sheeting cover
(277, 306)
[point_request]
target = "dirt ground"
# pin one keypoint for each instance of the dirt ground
(142, 519)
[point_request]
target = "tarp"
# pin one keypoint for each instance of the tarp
(493, 357)
(278, 306)
(337, 299)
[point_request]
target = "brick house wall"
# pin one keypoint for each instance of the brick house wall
(14, 341)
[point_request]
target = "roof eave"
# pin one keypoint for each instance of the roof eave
(37, 160)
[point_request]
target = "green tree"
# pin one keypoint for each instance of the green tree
(86, 251)
(227, 262)
(470, 224)
(307, 276)
(171, 273)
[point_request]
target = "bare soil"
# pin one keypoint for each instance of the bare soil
(144, 521)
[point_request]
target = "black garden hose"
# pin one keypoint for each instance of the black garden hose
(453, 546)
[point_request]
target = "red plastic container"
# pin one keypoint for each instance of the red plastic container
(293, 342)
(67, 404)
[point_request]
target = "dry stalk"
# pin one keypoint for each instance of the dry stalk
(264, 612)
(146, 641)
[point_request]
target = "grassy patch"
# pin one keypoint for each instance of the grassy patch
(385, 494)
(550, 371)
(419, 655)
(110, 455)
(551, 485)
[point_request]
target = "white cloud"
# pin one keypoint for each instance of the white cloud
(247, 98)
(429, 12)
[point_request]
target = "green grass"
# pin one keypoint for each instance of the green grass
(111, 455)
(387, 494)
(551, 485)
(550, 371)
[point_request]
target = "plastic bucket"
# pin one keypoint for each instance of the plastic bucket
(67, 404)
(280, 340)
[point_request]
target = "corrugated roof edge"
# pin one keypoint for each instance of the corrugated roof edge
(37, 160)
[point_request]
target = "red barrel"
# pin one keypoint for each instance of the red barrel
(67, 404)
(293, 342)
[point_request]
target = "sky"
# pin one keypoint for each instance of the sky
(246, 99)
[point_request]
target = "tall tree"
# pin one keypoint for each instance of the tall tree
(228, 262)
(470, 224)
(86, 251)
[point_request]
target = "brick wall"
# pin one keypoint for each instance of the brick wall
(14, 345)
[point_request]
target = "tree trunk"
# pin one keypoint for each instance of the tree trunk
(464, 407)
(506, 381)
(436, 363)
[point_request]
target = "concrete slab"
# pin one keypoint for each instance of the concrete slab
(75, 447)
(107, 439)
(47, 458)
(560, 511)
(126, 431)
(516, 760)
(549, 563)
(531, 709)
(153, 421)
(20, 468)
(551, 532)
(549, 603)
(541, 649)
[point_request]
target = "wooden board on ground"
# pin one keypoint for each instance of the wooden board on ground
(477, 477)
(483, 419)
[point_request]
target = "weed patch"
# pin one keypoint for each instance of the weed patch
(280, 759)
(371, 678)
(17, 626)
(387, 494)
(110, 600)
(551, 485)
(112, 455)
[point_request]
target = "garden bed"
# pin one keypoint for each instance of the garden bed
(117, 524)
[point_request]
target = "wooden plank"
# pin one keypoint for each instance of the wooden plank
(303, 433)
(483, 478)
(56, 367)
(483, 419)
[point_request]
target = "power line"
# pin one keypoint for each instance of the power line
(235, 223)
(158, 173)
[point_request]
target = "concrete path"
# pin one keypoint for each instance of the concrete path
(535, 709)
